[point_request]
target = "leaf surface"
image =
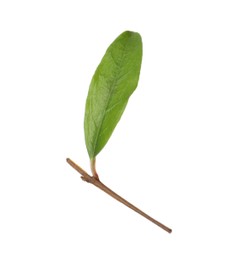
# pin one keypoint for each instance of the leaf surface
(114, 81)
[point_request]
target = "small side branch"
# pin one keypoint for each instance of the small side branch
(95, 181)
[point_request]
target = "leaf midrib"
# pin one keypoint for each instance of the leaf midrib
(114, 84)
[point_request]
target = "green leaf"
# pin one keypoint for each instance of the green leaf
(114, 81)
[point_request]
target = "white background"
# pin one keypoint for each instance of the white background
(178, 152)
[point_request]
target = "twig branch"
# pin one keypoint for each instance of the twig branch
(86, 177)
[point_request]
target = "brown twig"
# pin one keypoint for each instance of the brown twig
(95, 181)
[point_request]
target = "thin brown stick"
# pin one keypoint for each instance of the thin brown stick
(86, 177)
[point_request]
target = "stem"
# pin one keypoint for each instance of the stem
(95, 181)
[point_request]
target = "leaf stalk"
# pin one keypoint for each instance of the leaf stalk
(93, 169)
